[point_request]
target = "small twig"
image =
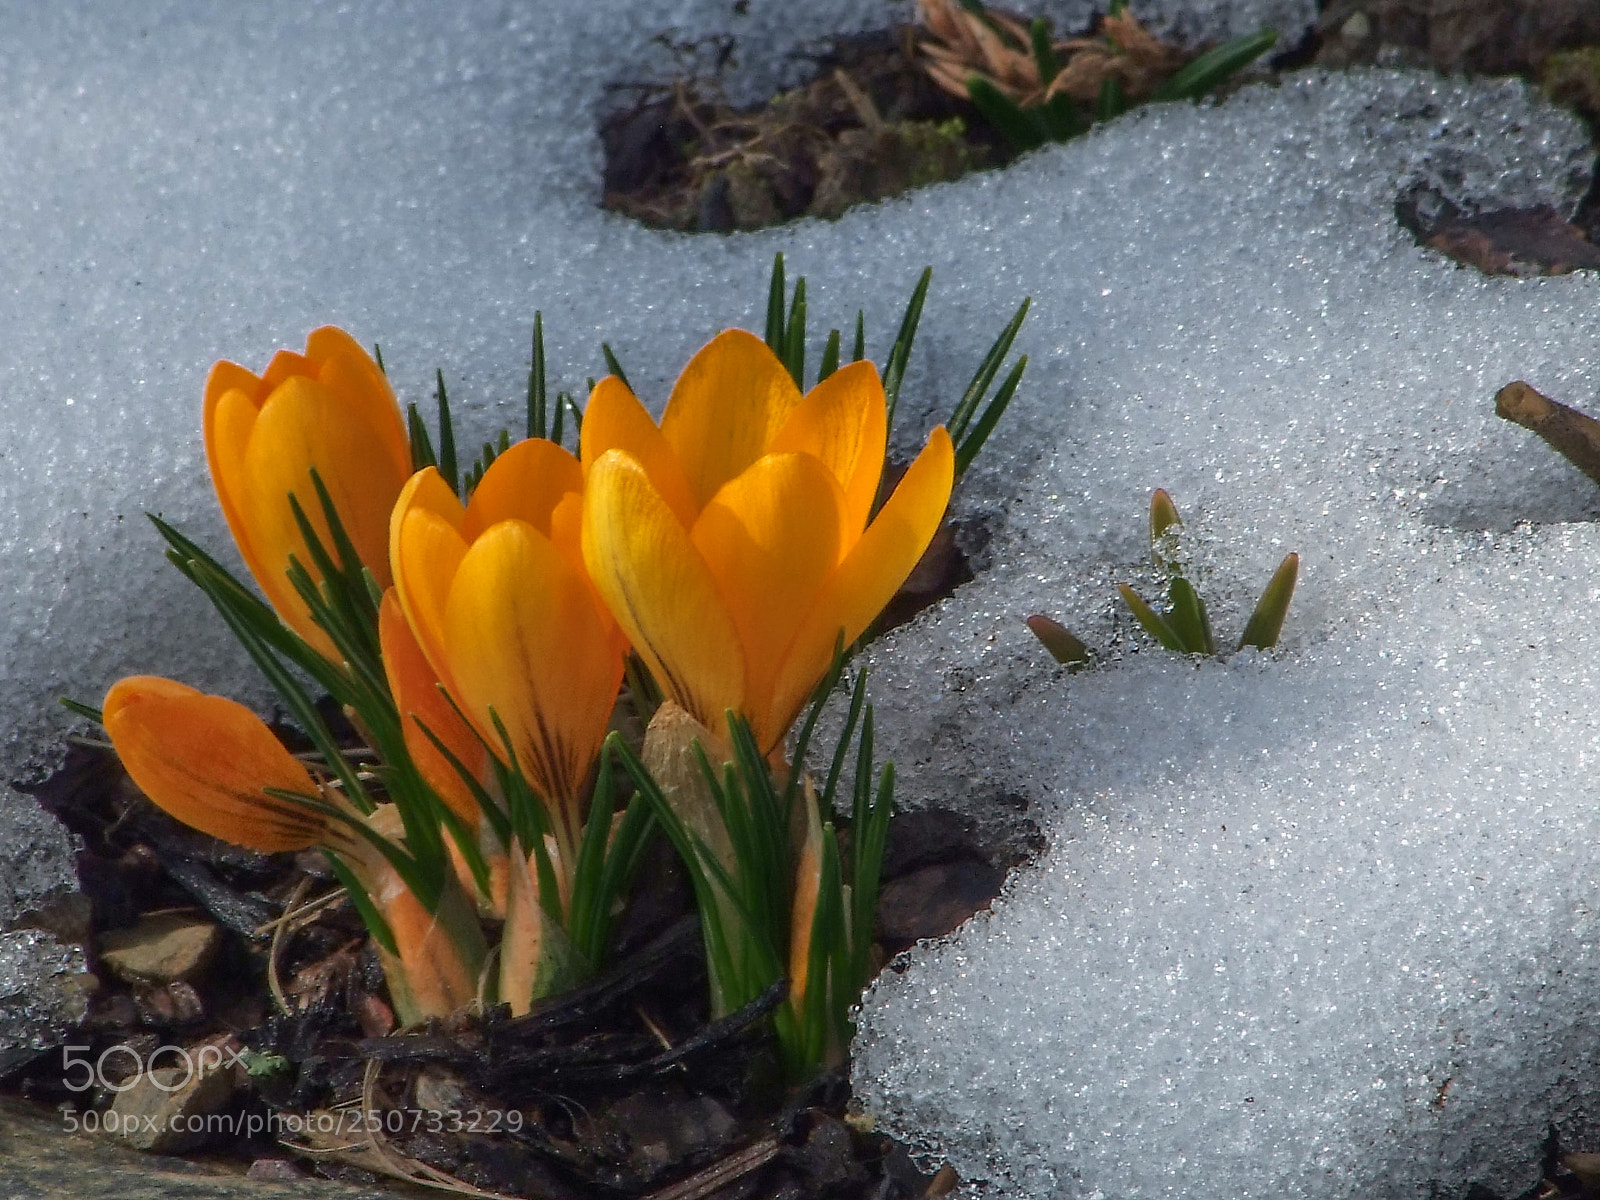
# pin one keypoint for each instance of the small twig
(866, 111)
(305, 914)
(274, 984)
(943, 1183)
(712, 161)
(680, 95)
(655, 1030)
(402, 1166)
(1568, 432)
(719, 1174)
(715, 1034)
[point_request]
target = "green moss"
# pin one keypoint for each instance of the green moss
(1572, 78)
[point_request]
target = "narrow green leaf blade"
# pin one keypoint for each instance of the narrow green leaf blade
(422, 454)
(1062, 644)
(1044, 55)
(968, 450)
(1266, 622)
(894, 370)
(1113, 102)
(447, 439)
(993, 359)
(1188, 617)
(1154, 623)
(1058, 117)
(794, 336)
(81, 709)
(1008, 119)
(777, 294)
(830, 356)
(1216, 66)
(614, 366)
(538, 423)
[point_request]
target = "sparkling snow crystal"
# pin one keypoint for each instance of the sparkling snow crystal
(1320, 923)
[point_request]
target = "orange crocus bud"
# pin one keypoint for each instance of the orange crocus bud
(733, 542)
(330, 410)
(496, 595)
(207, 761)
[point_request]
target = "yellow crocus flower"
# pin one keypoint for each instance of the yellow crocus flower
(496, 594)
(208, 761)
(732, 542)
(329, 409)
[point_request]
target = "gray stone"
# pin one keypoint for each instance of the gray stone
(166, 1111)
(36, 860)
(44, 991)
(43, 981)
(161, 948)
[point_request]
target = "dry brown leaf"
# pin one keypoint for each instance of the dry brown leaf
(960, 44)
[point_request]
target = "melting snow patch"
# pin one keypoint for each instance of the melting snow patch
(1320, 923)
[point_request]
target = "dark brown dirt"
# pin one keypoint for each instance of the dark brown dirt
(622, 1089)
(868, 125)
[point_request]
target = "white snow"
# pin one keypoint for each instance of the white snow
(1314, 924)
(1378, 975)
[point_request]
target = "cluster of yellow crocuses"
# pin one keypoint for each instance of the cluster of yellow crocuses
(732, 547)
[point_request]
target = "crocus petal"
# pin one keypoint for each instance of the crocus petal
(206, 760)
(226, 377)
(536, 956)
(725, 408)
(525, 483)
(415, 687)
(285, 365)
(523, 935)
(615, 420)
(524, 638)
(230, 420)
(425, 550)
(771, 538)
(868, 578)
(329, 409)
(841, 422)
(346, 369)
(660, 590)
(304, 427)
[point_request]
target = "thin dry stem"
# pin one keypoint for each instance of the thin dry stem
(1570, 433)
(373, 1152)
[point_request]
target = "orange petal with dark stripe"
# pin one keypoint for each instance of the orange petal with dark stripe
(207, 761)
(415, 688)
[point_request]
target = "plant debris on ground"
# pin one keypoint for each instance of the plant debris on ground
(882, 114)
(623, 1088)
